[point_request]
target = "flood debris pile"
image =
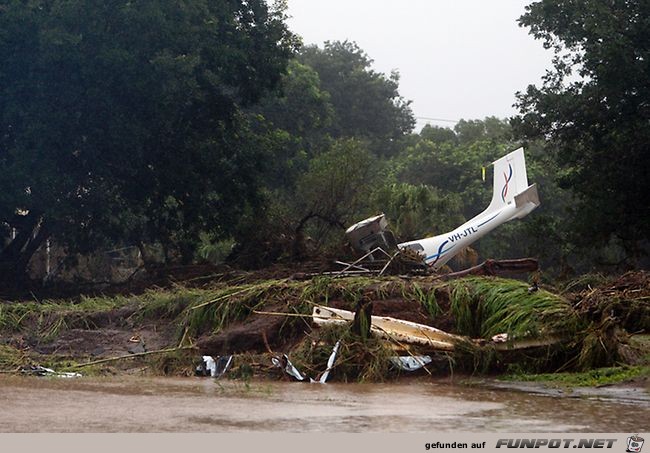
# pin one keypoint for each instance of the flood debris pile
(472, 324)
(614, 309)
(358, 359)
(626, 299)
(379, 328)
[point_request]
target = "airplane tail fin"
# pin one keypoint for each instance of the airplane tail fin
(511, 183)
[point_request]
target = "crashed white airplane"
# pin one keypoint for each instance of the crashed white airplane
(512, 198)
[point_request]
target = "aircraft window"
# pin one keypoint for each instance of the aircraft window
(417, 247)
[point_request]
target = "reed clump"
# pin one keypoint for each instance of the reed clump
(484, 307)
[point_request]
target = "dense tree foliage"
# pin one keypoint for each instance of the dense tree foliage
(202, 128)
(367, 103)
(325, 130)
(294, 122)
(120, 121)
(336, 187)
(594, 110)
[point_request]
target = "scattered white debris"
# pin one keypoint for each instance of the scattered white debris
(285, 364)
(410, 363)
(216, 368)
(38, 370)
(330, 364)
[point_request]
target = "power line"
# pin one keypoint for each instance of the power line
(436, 119)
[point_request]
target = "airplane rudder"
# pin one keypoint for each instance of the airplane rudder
(520, 173)
(503, 187)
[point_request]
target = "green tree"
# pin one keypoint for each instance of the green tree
(594, 109)
(489, 129)
(417, 211)
(437, 134)
(295, 123)
(456, 167)
(120, 120)
(366, 103)
(336, 188)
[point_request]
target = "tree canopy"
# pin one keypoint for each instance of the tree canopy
(367, 103)
(594, 110)
(121, 120)
(204, 126)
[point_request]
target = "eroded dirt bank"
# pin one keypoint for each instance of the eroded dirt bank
(256, 319)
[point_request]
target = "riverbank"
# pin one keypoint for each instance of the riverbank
(166, 331)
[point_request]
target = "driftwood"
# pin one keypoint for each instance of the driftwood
(494, 267)
(129, 356)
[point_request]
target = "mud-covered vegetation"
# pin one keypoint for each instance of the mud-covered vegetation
(165, 331)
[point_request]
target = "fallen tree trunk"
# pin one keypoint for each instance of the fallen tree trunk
(494, 267)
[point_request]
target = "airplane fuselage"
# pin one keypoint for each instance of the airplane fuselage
(440, 249)
(512, 198)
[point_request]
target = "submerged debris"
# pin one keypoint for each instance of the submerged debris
(214, 368)
(37, 370)
(285, 365)
(410, 363)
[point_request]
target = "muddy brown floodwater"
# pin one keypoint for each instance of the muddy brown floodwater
(138, 404)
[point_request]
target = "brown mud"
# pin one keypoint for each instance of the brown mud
(123, 330)
(129, 404)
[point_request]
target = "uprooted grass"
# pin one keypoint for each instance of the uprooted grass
(358, 359)
(426, 298)
(323, 289)
(197, 311)
(11, 359)
(484, 307)
(479, 307)
(626, 298)
(194, 310)
(47, 319)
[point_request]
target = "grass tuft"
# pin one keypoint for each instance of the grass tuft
(358, 360)
(487, 307)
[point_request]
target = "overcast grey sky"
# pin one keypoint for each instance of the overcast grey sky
(458, 59)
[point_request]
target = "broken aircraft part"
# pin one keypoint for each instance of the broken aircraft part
(214, 368)
(410, 363)
(371, 233)
(38, 370)
(330, 363)
(400, 331)
(391, 328)
(285, 365)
